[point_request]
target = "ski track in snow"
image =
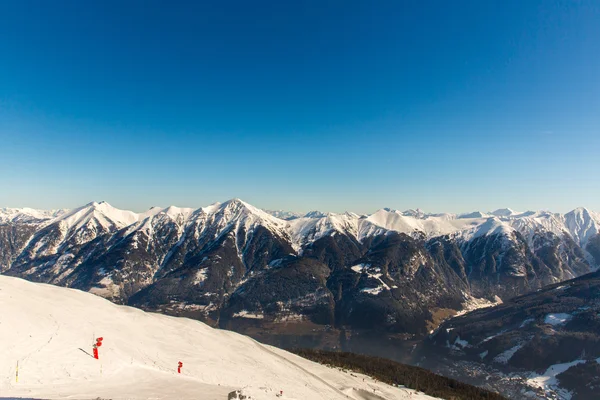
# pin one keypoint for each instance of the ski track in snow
(301, 369)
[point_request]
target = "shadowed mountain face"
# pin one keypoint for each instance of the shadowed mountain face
(323, 280)
(543, 345)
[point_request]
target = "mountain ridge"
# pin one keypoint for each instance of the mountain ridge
(580, 223)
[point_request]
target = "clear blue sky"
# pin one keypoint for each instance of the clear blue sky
(331, 105)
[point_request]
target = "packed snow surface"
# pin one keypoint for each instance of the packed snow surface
(49, 332)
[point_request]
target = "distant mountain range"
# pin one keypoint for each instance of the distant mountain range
(321, 279)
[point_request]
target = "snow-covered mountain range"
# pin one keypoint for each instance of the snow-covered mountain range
(47, 335)
(234, 265)
(581, 224)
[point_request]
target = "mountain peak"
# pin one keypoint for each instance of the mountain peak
(102, 206)
(584, 214)
(315, 214)
(504, 212)
(474, 214)
(580, 210)
(235, 200)
(27, 214)
(418, 213)
(237, 209)
(239, 204)
(282, 214)
(101, 209)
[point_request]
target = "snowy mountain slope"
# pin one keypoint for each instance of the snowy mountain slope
(504, 212)
(282, 214)
(241, 216)
(582, 224)
(430, 226)
(49, 332)
(102, 213)
(531, 224)
(306, 230)
(474, 214)
(27, 215)
(77, 227)
(309, 229)
(136, 253)
(118, 253)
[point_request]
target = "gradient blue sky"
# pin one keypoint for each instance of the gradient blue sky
(331, 105)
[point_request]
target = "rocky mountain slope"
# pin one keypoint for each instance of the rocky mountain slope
(322, 279)
(543, 345)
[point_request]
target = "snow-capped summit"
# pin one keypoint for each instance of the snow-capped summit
(504, 212)
(174, 211)
(474, 214)
(151, 211)
(85, 223)
(428, 225)
(394, 220)
(102, 213)
(315, 214)
(316, 225)
(492, 226)
(238, 212)
(151, 220)
(582, 224)
(418, 213)
(281, 214)
(27, 215)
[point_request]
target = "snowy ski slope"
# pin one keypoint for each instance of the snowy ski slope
(49, 332)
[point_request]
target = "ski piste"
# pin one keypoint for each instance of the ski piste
(143, 354)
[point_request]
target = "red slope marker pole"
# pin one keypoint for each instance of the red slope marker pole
(179, 367)
(96, 345)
